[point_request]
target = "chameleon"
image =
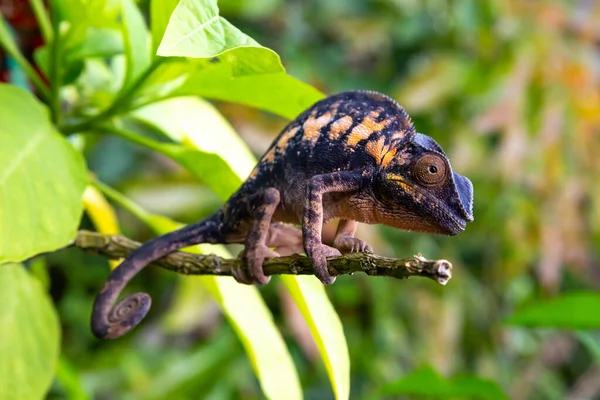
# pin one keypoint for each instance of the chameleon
(354, 156)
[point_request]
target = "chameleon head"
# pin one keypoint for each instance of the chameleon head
(419, 191)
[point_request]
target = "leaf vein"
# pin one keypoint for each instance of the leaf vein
(29, 147)
(194, 31)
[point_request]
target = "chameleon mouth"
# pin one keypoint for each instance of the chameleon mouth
(460, 223)
(450, 222)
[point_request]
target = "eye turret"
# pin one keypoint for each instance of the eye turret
(431, 170)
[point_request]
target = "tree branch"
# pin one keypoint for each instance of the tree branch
(116, 246)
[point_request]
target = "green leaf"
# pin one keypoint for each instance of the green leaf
(326, 328)
(209, 168)
(278, 93)
(29, 338)
(197, 30)
(137, 42)
(160, 13)
(41, 182)
(576, 310)
(426, 382)
(270, 359)
(197, 124)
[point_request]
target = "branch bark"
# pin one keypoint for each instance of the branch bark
(117, 246)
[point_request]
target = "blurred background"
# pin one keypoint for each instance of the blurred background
(510, 89)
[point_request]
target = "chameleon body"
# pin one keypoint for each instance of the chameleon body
(354, 156)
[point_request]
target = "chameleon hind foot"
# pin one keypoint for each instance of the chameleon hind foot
(347, 244)
(250, 270)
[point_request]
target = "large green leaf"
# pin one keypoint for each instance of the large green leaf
(209, 168)
(252, 321)
(278, 93)
(245, 310)
(29, 337)
(196, 124)
(42, 179)
(197, 30)
(576, 310)
(427, 383)
(326, 328)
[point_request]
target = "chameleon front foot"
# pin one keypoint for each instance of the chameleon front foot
(250, 270)
(318, 257)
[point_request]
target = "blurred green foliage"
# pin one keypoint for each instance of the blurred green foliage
(508, 88)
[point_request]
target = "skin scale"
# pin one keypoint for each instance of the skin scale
(354, 156)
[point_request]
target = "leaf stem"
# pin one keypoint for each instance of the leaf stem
(121, 103)
(54, 69)
(133, 137)
(43, 19)
(121, 200)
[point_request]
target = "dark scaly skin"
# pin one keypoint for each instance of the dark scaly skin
(354, 156)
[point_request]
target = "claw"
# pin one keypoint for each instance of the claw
(349, 244)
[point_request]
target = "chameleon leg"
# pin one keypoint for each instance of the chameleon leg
(346, 242)
(312, 226)
(256, 250)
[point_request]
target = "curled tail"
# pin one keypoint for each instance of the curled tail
(110, 321)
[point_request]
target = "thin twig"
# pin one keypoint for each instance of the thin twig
(117, 246)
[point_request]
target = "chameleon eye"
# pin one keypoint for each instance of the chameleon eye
(431, 170)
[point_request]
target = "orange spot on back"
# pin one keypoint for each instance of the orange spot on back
(270, 156)
(366, 128)
(376, 148)
(359, 133)
(375, 126)
(340, 127)
(312, 127)
(286, 136)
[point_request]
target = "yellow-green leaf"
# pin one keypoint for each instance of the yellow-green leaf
(326, 328)
(197, 124)
(102, 215)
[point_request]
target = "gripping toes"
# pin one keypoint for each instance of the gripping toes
(318, 257)
(250, 272)
(348, 244)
